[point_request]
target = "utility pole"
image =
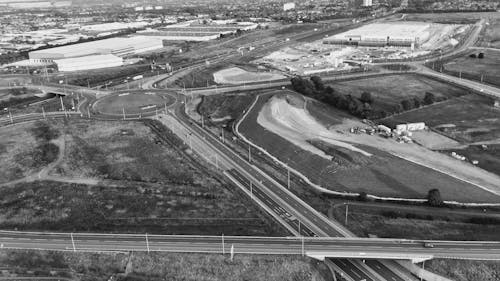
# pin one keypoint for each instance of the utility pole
(73, 243)
(222, 134)
(251, 190)
(147, 242)
(232, 252)
(303, 248)
(346, 212)
(482, 78)
(299, 226)
(288, 170)
(10, 116)
(249, 153)
(202, 122)
(123, 111)
(88, 112)
(223, 247)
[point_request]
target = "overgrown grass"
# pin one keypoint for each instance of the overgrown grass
(162, 266)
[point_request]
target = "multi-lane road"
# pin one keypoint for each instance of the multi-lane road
(360, 248)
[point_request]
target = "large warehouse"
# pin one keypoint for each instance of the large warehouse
(88, 62)
(121, 47)
(407, 34)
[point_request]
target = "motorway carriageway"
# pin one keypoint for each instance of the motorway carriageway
(248, 244)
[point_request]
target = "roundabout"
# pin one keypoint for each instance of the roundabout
(134, 103)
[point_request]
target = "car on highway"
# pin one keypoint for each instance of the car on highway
(428, 245)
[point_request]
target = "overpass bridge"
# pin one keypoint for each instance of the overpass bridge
(317, 247)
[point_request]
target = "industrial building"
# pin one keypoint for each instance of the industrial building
(367, 3)
(383, 34)
(121, 47)
(193, 31)
(88, 62)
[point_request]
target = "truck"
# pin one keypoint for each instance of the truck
(137, 77)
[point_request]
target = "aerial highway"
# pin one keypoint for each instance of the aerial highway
(361, 248)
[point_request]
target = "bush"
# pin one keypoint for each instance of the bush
(473, 56)
(44, 132)
(434, 198)
(480, 56)
(366, 97)
(44, 154)
(407, 104)
(429, 98)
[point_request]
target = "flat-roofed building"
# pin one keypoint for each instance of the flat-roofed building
(120, 46)
(88, 62)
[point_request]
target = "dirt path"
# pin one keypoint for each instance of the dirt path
(43, 174)
(290, 122)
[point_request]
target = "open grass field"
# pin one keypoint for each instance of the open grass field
(16, 144)
(129, 181)
(388, 91)
(224, 108)
(471, 118)
(474, 68)
(132, 103)
(197, 78)
(416, 224)
(490, 36)
(449, 18)
(462, 270)
(132, 207)
(349, 171)
(160, 266)
(489, 157)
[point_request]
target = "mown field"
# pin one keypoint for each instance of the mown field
(381, 174)
(388, 91)
(471, 118)
(159, 266)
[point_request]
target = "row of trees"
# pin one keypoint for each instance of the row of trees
(316, 89)
(415, 102)
(360, 107)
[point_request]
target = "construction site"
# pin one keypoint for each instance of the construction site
(369, 43)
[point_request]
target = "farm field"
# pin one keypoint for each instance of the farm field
(387, 96)
(117, 177)
(469, 119)
(347, 166)
(160, 266)
(474, 68)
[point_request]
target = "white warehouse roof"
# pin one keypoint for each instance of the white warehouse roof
(88, 62)
(383, 30)
(120, 46)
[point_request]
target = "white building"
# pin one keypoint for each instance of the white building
(88, 62)
(120, 46)
(288, 6)
(367, 3)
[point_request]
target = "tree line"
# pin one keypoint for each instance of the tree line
(361, 107)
